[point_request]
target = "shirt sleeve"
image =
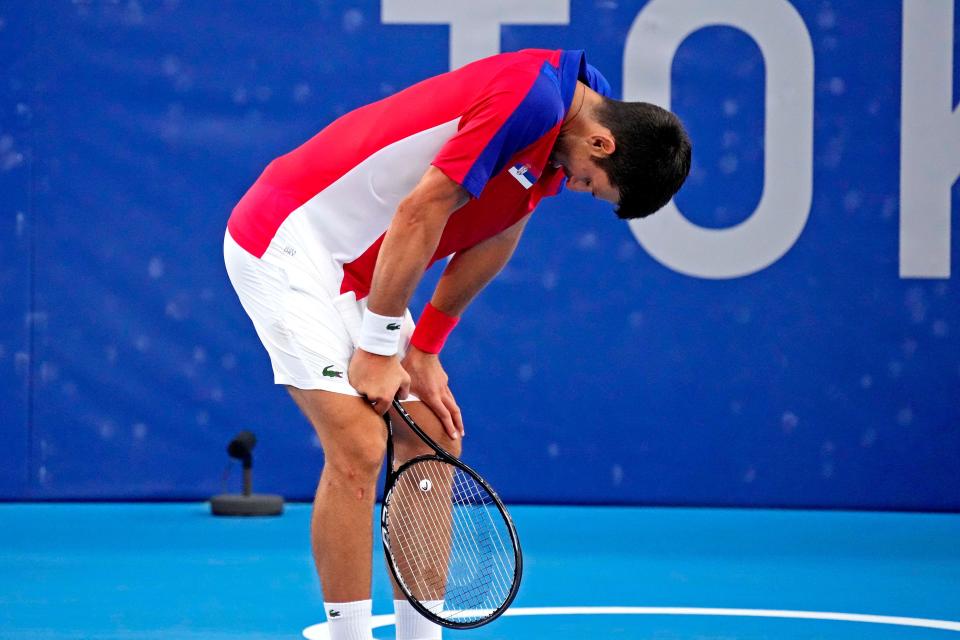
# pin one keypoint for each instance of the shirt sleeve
(501, 121)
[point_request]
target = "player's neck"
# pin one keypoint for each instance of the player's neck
(581, 107)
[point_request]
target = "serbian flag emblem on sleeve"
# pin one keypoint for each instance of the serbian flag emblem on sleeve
(524, 175)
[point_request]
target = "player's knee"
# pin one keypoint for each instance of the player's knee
(358, 462)
(409, 446)
(405, 449)
(455, 447)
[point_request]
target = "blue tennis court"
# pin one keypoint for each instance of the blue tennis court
(171, 571)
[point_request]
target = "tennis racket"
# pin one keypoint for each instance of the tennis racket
(448, 538)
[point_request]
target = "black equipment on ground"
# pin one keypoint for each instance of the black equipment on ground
(246, 503)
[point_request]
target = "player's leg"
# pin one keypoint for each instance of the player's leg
(353, 439)
(406, 443)
(409, 623)
(288, 299)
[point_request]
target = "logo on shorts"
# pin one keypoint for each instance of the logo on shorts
(327, 372)
(393, 326)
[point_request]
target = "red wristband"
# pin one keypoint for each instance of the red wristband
(432, 330)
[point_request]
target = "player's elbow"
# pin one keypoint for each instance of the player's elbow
(426, 209)
(415, 214)
(436, 196)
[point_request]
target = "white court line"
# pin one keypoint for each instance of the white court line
(319, 631)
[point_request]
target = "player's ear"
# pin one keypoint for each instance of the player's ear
(602, 144)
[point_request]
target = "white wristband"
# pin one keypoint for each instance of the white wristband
(380, 334)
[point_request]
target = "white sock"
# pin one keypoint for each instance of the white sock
(349, 620)
(413, 626)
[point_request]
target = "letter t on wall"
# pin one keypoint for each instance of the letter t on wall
(929, 139)
(474, 25)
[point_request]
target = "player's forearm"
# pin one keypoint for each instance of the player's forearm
(411, 241)
(407, 247)
(471, 270)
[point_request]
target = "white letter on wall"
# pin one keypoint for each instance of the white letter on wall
(474, 24)
(929, 139)
(773, 228)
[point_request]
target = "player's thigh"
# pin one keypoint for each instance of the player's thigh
(297, 314)
(407, 444)
(351, 434)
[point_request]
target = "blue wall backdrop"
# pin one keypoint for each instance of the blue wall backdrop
(590, 371)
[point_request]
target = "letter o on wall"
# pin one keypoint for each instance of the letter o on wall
(776, 223)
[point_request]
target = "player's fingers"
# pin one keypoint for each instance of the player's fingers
(403, 389)
(454, 410)
(382, 406)
(370, 401)
(435, 402)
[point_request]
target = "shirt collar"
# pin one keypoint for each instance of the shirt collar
(573, 67)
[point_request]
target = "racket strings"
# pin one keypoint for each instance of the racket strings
(484, 574)
(433, 551)
(449, 541)
(488, 549)
(418, 529)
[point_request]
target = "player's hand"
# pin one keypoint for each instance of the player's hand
(428, 381)
(379, 378)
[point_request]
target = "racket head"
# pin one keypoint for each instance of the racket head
(450, 542)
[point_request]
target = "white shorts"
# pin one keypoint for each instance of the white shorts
(307, 327)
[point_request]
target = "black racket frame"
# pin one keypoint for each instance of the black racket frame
(443, 456)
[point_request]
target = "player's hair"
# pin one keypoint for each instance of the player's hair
(651, 160)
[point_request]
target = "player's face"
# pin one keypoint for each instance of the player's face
(583, 174)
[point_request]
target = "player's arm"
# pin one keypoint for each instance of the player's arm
(487, 135)
(471, 270)
(408, 245)
(412, 239)
(466, 275)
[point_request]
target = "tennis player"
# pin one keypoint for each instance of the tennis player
(333, 238)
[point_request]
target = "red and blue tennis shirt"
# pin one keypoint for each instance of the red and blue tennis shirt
(489, 126)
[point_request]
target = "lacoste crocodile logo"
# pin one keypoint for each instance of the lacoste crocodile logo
(331, 374)
(393, 326)
(333, 613)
